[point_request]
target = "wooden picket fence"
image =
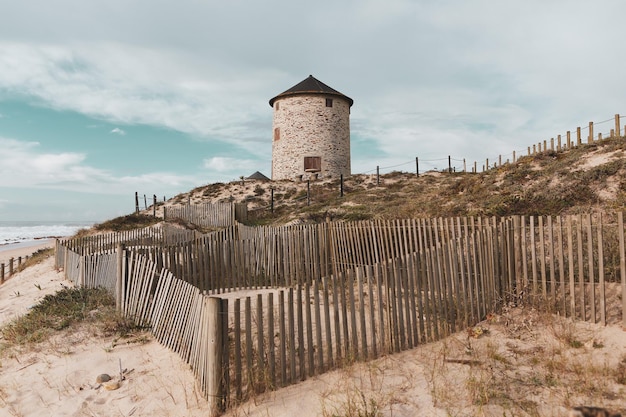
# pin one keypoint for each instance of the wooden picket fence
(254, 309)
(208, 214)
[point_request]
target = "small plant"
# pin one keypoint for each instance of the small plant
(620, 372)
(576, 344)
(258, 190)
(356, 405)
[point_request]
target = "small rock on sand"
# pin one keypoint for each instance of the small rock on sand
(103, 378)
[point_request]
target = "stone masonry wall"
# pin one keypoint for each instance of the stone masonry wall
(307, 128)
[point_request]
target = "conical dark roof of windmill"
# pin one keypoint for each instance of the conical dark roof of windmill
(258, 176)
(311, 85)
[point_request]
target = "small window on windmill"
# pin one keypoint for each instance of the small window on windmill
(277, 133)
(312, 163)
(277, 106)
(329, 102)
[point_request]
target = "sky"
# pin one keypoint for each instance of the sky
(102, 99)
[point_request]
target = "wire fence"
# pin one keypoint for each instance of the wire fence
(560, 142)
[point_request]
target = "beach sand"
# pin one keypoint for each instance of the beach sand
(58, 377)
(23, 249)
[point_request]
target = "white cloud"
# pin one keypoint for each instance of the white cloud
(231, 166)
(134, 85)
(118, 131)
(471, 78)
(27, 166)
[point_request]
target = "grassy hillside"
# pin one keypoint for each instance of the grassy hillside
(591, 177)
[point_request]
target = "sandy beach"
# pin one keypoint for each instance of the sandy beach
(23, 249)
(522, 359)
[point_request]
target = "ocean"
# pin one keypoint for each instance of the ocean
(17, 232)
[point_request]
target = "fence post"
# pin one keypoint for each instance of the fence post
(569, 140)
(136, 202)
(417, 167)
(1, 273)
(272, 199)
(617, 127)
(590, 137)
(558, 145)
(119, 278)
(622, 262)
(341, 185)
(551, 144)
(308, 192)
(377, 175)
(215, 355)
(464, 166)
(579, 139)
(11, 266)
(154, 205)
(449, 165)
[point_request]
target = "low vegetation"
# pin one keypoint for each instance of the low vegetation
(129, 222)
(69, 307)
(587, 178)
(37, 257)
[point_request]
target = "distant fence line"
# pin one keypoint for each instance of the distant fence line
(558, 143)
(14, 265)
(208, 214)
(327, 294)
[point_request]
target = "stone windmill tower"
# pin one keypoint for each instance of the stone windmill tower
(311, 132)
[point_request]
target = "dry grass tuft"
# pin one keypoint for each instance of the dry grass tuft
(68, 307)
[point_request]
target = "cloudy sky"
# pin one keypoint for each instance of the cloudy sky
(100, 99)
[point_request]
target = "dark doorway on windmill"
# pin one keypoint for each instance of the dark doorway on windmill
(312, 163)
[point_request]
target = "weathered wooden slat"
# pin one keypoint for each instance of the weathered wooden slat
(271, 341)
(561, 264)
(354, 339)
(318, 329)
(292, 336)
(591, 276)
(581, 269)
(570, 266)
(283, 338)
(601, 288)
(309, 329)
(327, 326)
(542, 260)
(250, 379)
